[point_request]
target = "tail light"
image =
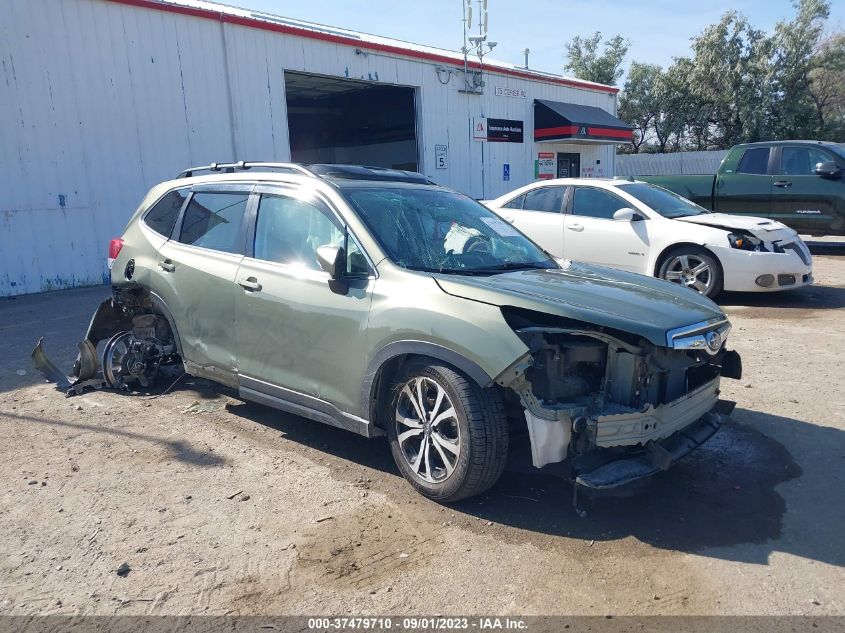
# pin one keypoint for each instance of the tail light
(114, 250)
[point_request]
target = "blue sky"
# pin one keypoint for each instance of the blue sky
(658, 29)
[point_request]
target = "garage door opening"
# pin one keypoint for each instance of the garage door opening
(349, 121)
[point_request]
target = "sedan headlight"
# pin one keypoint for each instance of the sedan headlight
(745, 242)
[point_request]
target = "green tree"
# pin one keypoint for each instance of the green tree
(584, 60)
(638, 101)
(679, 109)
(729, 81)
(827, 88)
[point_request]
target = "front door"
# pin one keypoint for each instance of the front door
(592, 235)
(800, 198)
(195, 276)
(568, 165)
(296, 331)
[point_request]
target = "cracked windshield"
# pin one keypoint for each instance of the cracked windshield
(442, 231)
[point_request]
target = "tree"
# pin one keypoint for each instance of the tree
(585, 62)
(827, 88)
(638, 102)
(730, 80)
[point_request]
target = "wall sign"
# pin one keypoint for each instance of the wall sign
(545, 165)
(506, 171)
(517, 93)
(497, 130)
(440, 157)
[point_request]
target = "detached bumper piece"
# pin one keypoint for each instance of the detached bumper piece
(657, 456)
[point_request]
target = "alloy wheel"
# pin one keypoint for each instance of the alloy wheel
(691, 271)
(427, 429)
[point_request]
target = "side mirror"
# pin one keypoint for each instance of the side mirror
(828, 169)
(626, 214)
(332, 259)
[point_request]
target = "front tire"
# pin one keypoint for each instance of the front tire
(694, 268)
(448, 436)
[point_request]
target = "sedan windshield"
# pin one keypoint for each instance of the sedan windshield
(442, 231)
(666, 203)
(839, 149)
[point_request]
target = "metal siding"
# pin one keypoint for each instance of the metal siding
(670, 164)
(103, 100)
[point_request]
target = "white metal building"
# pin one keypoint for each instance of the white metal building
(101, 99)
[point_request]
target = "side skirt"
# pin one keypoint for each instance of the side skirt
(304, 405)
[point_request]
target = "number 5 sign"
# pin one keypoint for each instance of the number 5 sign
(440, 161)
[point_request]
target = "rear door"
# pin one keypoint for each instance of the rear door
(300, 335)
(539, 214)
(592, 235)
(800, 198)
(195, 273)
(747, 188)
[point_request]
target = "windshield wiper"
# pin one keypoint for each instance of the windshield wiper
(508, 266)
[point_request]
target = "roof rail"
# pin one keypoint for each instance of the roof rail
(241, 165)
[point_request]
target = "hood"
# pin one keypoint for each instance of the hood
(763, 228)
(641, 305)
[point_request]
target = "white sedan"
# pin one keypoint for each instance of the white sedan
(649, 230)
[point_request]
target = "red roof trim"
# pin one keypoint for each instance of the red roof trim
(348, 41)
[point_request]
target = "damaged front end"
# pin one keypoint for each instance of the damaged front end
(615, 405)
(128, 341)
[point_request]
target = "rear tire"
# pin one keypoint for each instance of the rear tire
(448, 436)
(693, 267)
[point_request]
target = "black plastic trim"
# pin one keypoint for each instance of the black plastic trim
(416, 348)
(303, 405)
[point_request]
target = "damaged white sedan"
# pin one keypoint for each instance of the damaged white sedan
(642, 228)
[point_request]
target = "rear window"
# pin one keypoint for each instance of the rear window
(516, 203)
(754, 161)
(213, 220)
(162, 216)
(548, 199)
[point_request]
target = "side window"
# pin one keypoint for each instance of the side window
(549, 199)
(801, 161)
(592, 202)
(754, 161)
(163, 214)
(214, 220)
(516, 203)
(290, 230)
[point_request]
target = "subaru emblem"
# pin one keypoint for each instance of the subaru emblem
(714, 342)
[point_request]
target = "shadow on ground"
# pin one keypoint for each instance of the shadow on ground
(180, 450)
(808, 298)
(721, 501)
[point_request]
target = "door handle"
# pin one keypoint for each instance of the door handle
(167, 266)
(250, 283)
(782, 183)
(575, 227)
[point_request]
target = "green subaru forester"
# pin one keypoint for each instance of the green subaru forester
(376, 301)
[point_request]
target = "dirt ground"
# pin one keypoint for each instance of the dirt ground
(222, 507)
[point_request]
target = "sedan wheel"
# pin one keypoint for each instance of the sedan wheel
(694, 269)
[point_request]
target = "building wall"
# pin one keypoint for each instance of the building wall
(102, 100)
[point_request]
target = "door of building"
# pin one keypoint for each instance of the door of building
(568, 165)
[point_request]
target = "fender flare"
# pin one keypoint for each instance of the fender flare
(161, 308)
(415, 348)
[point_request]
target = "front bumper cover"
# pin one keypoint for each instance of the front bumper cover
(605, 469)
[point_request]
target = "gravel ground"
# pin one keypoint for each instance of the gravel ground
(217, 506)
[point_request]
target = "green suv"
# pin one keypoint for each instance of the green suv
(376, 301)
